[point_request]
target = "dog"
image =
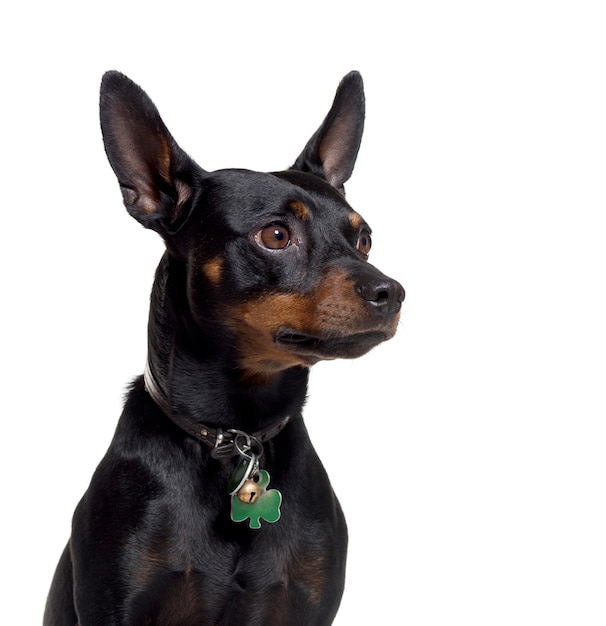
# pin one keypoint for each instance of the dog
(211, 505)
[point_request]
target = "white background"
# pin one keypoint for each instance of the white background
(468, 453)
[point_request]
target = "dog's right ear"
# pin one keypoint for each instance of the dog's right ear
(155, 175)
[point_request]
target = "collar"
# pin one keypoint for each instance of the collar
(222, 442)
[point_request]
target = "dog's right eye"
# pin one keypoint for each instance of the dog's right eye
(274, 237)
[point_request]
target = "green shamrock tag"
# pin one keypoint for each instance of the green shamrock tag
(256, 502)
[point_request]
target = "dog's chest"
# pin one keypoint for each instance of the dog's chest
(265, 581)
(212, 595)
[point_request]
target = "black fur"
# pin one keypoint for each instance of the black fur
(237, 318)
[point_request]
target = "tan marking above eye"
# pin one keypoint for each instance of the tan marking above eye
(355, 219)
(273, 237)
(364, 242)
(299, 210)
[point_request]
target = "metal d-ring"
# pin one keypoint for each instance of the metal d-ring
(250, 447)
(242, 448)
(236, 442)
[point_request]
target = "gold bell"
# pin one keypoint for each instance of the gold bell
(248, 492)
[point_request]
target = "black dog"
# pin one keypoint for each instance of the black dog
(263, 276)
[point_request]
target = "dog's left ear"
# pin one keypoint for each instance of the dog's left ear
(331, 152)
(155, 175)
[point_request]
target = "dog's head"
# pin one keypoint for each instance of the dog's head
(280, 259)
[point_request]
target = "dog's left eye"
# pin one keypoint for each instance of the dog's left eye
(274, 237)
(364, 243)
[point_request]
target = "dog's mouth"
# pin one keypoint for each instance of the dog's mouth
(315, 348)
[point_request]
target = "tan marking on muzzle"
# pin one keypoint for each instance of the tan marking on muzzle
(332, 309)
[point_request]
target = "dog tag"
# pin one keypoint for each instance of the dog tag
(244, 470)
(256, 504)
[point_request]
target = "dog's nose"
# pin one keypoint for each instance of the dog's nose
(385, 295)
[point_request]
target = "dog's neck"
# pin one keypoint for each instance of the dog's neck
(181, 356)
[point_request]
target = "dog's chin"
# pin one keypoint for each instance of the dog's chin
(311, 348)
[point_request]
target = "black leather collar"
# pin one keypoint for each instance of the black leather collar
(221, 441)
